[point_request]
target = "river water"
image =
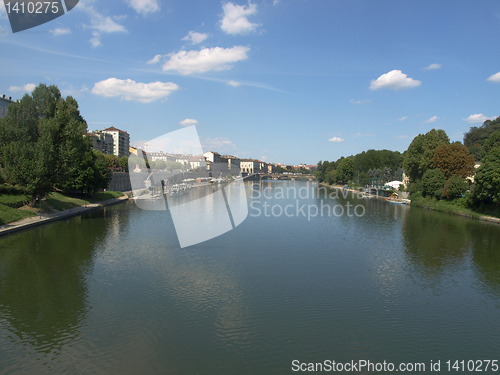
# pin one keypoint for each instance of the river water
(310, 276)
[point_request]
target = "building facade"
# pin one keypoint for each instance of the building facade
(121, 141)
(102, 141)
(4, 103)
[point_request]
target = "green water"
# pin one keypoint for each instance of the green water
(113, 293)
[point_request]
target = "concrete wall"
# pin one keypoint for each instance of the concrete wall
(120, 181)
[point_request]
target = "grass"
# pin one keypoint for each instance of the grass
(9, 214)
(61, 201)
(14, 200)
(54, 201)
(456, 207)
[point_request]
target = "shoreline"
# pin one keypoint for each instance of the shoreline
(42, 219)
(490, 219)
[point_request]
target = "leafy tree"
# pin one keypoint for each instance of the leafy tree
(363, 178)
(420, 154)
(455, 187)
(433, 183)
(454, 159)
(41, 140)
(491, 142)
(123, 163)
(112, 161)
(487, 179)
(345, 171)
(91, 174)
(476, 136)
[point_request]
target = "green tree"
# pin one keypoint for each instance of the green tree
(454, 159)
(455, 187)
(487, 179)
(91, 174)
(476, 136)
(420, 154)
(433, 183)
(123, 163)
(491, 142)
(345, 171)
(41, 140)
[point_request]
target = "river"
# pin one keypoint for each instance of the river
(310, 276)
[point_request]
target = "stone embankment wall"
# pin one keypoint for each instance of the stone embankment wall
(119, 182)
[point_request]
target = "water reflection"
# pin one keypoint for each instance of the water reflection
(437, 244)
(43, 282)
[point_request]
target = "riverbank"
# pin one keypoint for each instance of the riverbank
(47, 217)
(432, 204)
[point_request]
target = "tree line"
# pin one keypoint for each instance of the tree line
(43, 147)
(436, 167)
(379, 166)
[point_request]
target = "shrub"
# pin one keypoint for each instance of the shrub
(433, 183)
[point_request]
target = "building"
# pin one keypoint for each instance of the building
(212, 157)
(121, 141)
(233, 163)
(250, 166)
(102, 141)
(4, 103)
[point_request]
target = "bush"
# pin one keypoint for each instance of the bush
(433, 183)
(455, 187)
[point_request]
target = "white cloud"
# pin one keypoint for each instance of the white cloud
(131, 90)
(431, 120)
(154, 60)
(58, 31)
(144, 7)
(336, 139)
(26, 88)
(364, 101)
(478, 118)
(402, 118)
(494, 78)
(234, 83)
(205, 60)
(195, 38)
(395, 80)
(100, 24)
(276, 2)
(235, 19)
(188, 122)
(433, 66)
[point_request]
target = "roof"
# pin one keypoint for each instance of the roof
(113, 129)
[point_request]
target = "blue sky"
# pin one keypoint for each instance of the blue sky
(291, 81)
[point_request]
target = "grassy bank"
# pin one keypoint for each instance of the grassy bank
(13, 206)
(456, 207)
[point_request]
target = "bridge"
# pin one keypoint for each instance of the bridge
(276, 176)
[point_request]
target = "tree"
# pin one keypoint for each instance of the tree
(454, 159)
(123, 163)
(420, 154)
(344, 171)
(433, 183)
(476, 136)
(491, 142)
(91, 174)
(455, 187)
(487, 179)
(41, 140)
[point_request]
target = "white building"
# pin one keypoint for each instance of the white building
(121, 141)
(102, 141)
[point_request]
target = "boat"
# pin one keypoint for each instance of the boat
(394, 201)
(175, 190)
